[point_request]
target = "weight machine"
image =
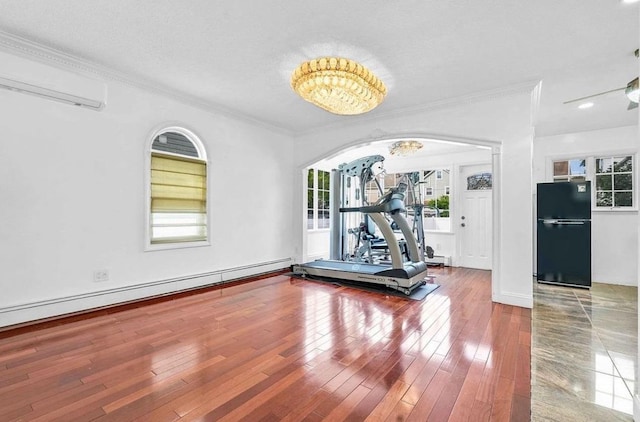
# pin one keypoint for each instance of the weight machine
(398, 273)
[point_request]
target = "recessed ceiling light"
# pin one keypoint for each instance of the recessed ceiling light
(585, 105)
(630, 1)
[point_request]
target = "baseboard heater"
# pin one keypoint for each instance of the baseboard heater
(85, 302)
(438, 261)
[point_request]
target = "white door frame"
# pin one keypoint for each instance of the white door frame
(496, 170)
(461, 183)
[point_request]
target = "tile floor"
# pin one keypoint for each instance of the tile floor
(583, 353)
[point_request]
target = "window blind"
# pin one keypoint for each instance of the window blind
(178, 199)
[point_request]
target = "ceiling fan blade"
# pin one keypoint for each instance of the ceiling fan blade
(632, 105)
(594, 95)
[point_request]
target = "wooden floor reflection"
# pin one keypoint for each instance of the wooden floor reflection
(279, 348)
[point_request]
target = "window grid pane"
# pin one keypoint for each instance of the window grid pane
(436, 188)
(574, 169)
(318, 185)
(614, 181)
(310, 198)
(561, 168)
(480, 181)
(323, 199)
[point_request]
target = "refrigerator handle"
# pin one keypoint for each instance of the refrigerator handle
(563, 223)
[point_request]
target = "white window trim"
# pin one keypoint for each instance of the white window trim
(591, 175)
(586, 158)
(315, 202)
(452, 187)
(202, 155)
(634, 191)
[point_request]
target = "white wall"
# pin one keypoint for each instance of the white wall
(317, 245)
(614, 239)
(636, 395)
(72, 184)
(505, 120)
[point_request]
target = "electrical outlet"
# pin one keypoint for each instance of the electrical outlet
(101, 275)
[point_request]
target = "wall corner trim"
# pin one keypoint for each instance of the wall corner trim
(514, 299)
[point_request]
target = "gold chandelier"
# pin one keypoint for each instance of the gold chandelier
(404, 148)
(338, 85)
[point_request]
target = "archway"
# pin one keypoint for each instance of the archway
(449, 146)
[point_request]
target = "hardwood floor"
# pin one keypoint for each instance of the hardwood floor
(279, 349)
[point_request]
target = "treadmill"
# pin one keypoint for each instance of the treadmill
(399, 275)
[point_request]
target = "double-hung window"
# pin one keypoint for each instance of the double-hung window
(574, 169)
(437, 191)
(614, 181)
(433, 190)
(612, 178)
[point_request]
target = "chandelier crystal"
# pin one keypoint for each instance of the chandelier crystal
(404, 148)
(338, 85)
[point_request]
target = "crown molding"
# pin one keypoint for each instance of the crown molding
(23, 47)
(526, 87)
(35, 51)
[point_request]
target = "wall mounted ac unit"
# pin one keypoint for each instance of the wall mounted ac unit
(52, 83)
(50, 94)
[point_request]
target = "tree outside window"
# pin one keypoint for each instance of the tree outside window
(614, 181)
(440, 206)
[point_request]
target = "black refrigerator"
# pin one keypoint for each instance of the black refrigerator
(564, 233)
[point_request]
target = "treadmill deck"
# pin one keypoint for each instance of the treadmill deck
(404, 280)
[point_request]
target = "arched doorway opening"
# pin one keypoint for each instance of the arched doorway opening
(443, 163)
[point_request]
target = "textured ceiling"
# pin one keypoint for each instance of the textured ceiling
(238, 55)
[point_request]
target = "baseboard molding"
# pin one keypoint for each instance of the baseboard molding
(315, 257)
(630, 282)
(439, 260)
(514, 299)
(32, 311)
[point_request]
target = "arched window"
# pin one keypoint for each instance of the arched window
(178, 188)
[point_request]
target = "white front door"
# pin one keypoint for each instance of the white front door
(474, 219)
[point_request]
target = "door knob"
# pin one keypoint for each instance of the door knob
(462, 225)
(462, 217)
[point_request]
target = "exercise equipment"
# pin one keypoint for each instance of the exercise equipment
(401, 275)
(371, 248)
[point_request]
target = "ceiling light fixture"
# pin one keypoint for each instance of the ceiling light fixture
(632, 91)
(585, 105)
(404, 148)
(630, 1)
(338, 85)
